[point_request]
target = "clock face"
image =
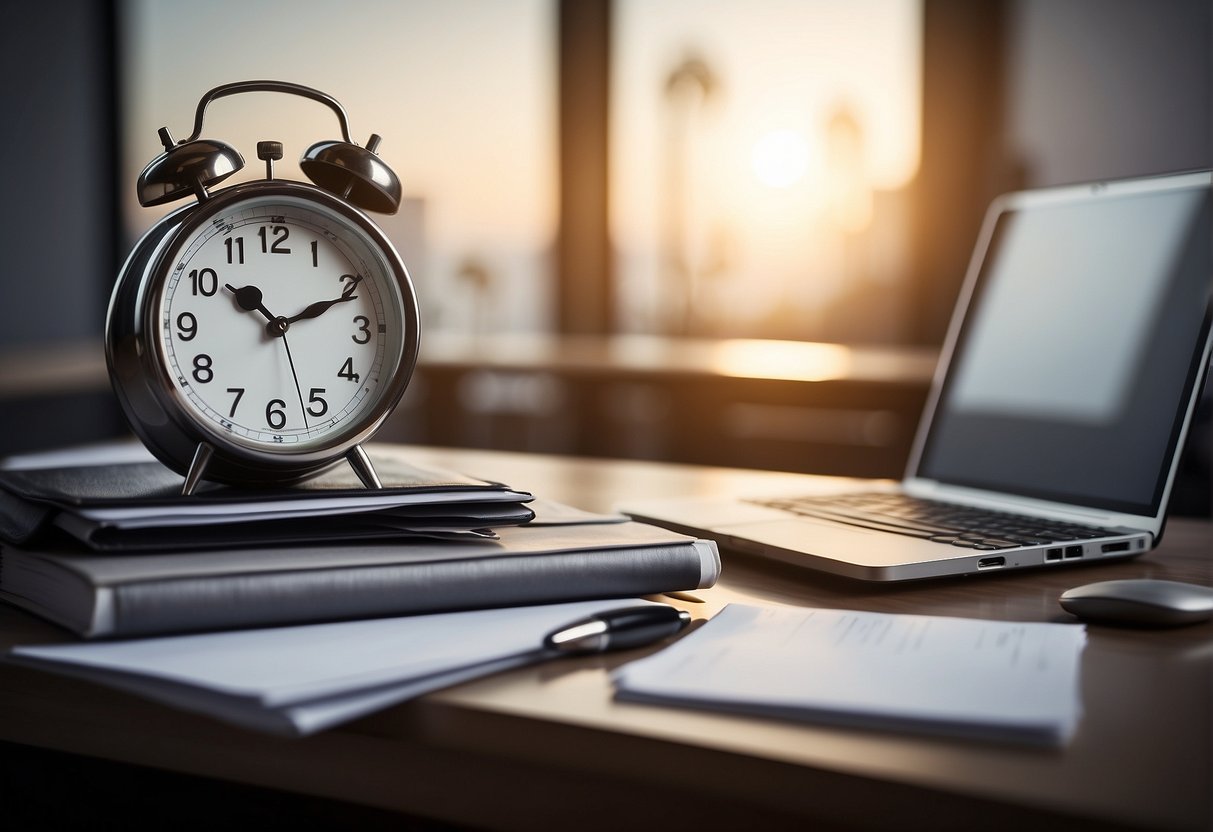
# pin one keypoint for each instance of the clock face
(280, 323)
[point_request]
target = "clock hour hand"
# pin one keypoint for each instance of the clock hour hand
(249, 299)
(315, 310)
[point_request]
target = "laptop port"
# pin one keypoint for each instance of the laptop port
(1121, 546)
(1053, 554)
(991, 563)
(1073, 552)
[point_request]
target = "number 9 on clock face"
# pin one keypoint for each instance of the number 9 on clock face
(280, 322)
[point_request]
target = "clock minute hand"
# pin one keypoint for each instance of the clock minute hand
(315, 310)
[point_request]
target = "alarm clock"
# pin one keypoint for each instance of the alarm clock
(262, 333)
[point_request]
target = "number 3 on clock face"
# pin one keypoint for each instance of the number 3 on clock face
(280, 322)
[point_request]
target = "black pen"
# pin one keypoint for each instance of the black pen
(617, 629)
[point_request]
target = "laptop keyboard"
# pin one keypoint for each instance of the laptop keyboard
(949, 523)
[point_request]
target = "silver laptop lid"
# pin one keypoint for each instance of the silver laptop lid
(1072, 366)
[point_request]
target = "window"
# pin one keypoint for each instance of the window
(760, 149)
(760, 152)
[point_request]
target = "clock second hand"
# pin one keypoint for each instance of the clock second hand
(249, 299)
(295, 376)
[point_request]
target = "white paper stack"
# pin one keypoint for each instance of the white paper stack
(964, 677)
(299, 680)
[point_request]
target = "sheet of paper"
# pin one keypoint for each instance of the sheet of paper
(134, 496)
(99, 453)
(302, 679)
(992, 679)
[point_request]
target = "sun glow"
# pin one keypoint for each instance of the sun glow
(780, 158)
(798, 360)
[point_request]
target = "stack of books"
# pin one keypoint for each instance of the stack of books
(110, 548)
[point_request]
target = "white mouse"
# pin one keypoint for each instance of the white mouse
(1141, 601)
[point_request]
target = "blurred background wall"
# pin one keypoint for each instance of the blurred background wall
(58, 227)
(725, 232)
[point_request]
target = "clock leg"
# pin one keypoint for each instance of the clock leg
(361, 463)
(202, 457)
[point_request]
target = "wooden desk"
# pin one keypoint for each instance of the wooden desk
(546, 747)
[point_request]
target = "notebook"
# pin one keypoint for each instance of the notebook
(1056, 418)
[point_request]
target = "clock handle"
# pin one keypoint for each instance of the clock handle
(361, 463)
(269, 86)
(355, 174)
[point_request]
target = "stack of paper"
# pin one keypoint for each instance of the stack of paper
(149, 561)
(137, 505)
(965, 677)
(298, 680)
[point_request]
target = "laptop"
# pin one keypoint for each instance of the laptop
(1056, 418)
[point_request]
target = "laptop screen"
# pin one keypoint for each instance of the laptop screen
(1072, 373)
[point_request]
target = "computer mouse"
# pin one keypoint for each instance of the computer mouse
(1145, 602)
